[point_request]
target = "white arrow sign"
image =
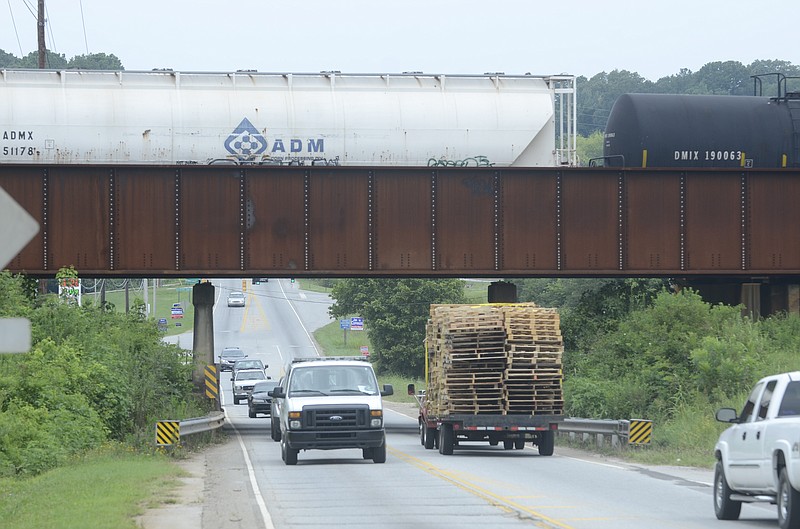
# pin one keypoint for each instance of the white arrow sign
(17, 228)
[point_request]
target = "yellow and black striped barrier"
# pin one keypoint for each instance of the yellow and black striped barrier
(212, 382)
(640, 432)
(168, 433)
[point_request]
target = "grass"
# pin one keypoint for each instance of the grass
(170, 293)
(104, 489)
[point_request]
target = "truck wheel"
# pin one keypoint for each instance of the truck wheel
(288, 454)
(421, 432)
(547, 443)
(788, 503)
(366, 453)
(430, 437)
(724, 507)
(508, 444)
(379, 453)
(519, 444)
(235, 400)
(446, 439)
(251, 414)
(274, 430)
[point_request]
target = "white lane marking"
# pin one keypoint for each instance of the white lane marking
(262, 506)
(310, 339)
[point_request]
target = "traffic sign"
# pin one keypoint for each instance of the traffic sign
(344, 324)
(17, 228)
(16, 333)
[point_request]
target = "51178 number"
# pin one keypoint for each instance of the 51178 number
(17, 151)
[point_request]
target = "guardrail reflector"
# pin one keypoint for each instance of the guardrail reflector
(168, 433)
(212, 382)
(640, 431)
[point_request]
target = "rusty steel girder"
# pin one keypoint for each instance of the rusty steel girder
(239, 221)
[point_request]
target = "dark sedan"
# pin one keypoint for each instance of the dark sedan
(258, 401)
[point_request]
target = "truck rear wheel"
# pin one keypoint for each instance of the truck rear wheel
(446, 439)
(724, 507)
(788, 503)
(547, 443)
(430, 437)
(508, 444)
(519, 444)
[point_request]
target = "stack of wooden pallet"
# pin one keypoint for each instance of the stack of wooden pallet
(501, 358)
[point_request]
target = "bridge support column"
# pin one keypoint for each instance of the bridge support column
(502, 292)
(751, 299)
(203, 345)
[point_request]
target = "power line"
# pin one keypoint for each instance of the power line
(16, 32)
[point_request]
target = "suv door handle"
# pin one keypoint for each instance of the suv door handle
(744, 436)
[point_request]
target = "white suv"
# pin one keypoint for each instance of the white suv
(331, 403)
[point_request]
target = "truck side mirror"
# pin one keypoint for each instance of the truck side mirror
(277, 393)
(387, 390)
(411, 390)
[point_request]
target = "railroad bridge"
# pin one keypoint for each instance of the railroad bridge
(732, 233)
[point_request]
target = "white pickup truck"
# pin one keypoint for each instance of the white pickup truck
(758, 457)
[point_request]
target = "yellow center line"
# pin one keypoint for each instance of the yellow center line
(254, 299)
(502, 502)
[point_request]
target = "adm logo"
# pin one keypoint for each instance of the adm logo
(246, 142)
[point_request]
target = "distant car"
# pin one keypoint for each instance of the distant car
(259, 280)
(229, 356)
(242, 384)
(258, 401)
(248, 363)
(236, 299)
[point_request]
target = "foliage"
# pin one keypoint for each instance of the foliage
(590, 147)
(395, 312)
(598, 93)
(660, 357)
(55, 61)
(92, 374)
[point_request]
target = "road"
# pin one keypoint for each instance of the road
(245, 483)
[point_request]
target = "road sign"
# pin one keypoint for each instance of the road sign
(344, 324)
(17, 228)
(356, 324)
(16, 333)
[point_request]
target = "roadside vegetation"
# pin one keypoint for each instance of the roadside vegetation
(87, 396)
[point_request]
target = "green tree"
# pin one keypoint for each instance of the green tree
(95, 61)
(395, 312)
(8, 60)
(52, 60)
(590, 147)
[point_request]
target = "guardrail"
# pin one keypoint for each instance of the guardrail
(616, 432)
(169, 433)
(203, 424)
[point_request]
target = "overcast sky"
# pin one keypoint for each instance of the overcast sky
(580, 37)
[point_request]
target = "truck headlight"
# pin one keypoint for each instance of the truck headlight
(376, 418)
(294, 420)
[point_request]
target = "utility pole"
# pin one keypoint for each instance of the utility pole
(40, 32)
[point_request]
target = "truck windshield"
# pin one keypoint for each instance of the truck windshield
(356, 380)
